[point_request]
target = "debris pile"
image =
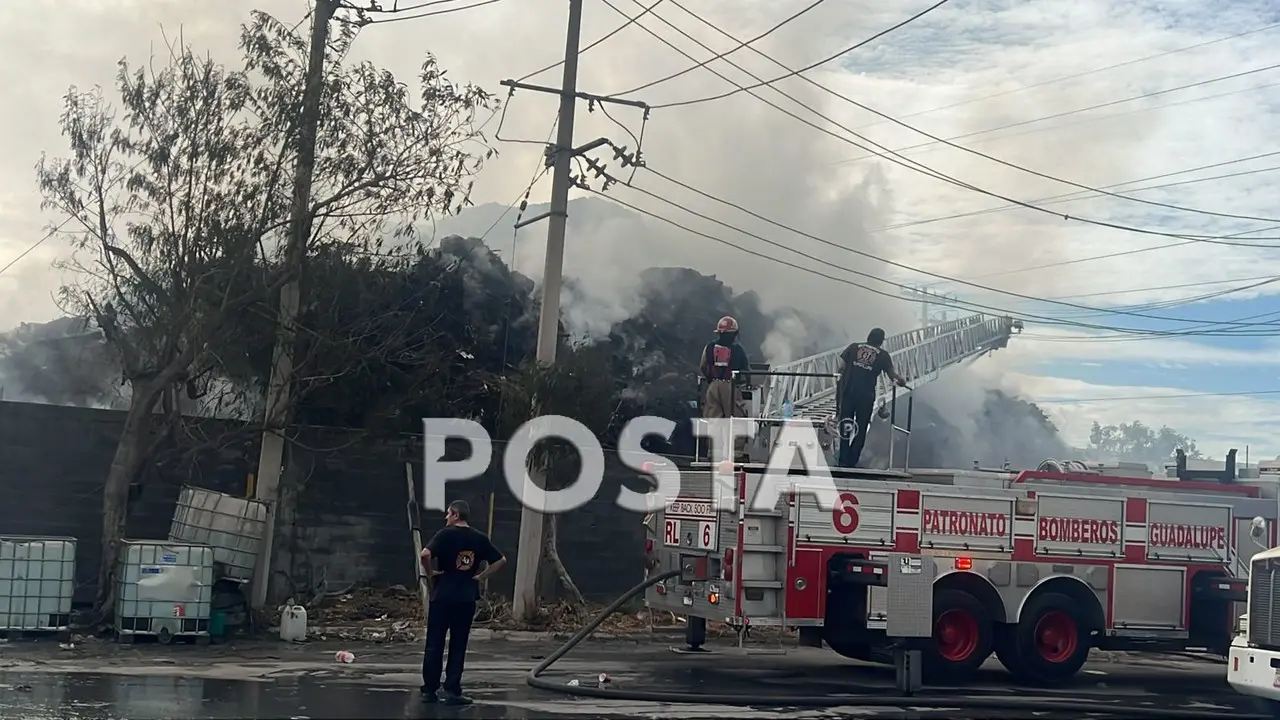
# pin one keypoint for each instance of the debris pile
(364, 604)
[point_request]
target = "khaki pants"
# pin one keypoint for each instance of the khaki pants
(723, 401)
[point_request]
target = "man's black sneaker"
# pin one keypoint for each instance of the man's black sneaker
(430, 698)
(449, 698)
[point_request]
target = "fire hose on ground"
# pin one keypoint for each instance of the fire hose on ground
(875, 697)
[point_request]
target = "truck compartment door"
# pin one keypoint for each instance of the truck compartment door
(1078, 526)
(966, 522)
(1186, 532)
(1148, 597)
(861, 518)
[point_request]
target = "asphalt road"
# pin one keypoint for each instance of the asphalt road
(102, 681)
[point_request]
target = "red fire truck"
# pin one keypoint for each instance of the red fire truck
(1037, 567)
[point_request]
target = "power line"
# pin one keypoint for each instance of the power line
(1089, 195)
(889, 154)
(1189, 331)
(1076, 76)
(1219, 240)
(1172, 303)
(927, 171)
(1102, 118)
(1066, 113)
(691, 68)
(611, 33)
(792, 73)
(1093, 119)
(1157, 397)
(977, 307)
(1250, 284)
(871, 256)
(419, 16)
(538, 172)
(52, 231)
(1165, 305)
(1178, 286)
(395, 7)
(1084, 195)
(866, 108)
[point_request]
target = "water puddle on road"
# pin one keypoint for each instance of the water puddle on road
(83, 696)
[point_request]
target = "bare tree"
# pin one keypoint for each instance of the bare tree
(178, 206)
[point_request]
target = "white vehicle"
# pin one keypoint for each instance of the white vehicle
(1253, 666)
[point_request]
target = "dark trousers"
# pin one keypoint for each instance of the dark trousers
(454, 620)
(858, 408)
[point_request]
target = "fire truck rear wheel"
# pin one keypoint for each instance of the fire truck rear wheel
(1050, 643)
(962, 635)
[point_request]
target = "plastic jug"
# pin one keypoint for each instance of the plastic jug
(293, 624)
(787, 409)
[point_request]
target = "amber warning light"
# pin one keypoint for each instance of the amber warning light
(964, 563)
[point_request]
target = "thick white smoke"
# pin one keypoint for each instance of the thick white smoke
(737, 148)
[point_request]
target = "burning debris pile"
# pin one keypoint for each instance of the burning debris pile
(477, 320)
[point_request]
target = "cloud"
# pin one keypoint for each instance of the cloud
(1216, 423)
(1066, 346)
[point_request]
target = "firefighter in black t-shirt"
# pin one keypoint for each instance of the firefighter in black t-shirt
(860, 368)
(454, 557)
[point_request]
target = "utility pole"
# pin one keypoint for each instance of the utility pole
(934, 306)
(279, 400)
(529, 550)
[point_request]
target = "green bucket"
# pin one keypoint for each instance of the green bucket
(217, 624)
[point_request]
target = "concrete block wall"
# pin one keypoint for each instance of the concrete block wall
(352, 522)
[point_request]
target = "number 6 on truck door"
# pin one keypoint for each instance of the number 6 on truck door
(859, 517)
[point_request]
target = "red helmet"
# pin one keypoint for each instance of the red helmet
(727, 325)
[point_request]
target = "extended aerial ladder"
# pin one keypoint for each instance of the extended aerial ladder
(919, 355)
(810, 383)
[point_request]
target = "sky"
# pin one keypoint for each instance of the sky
(1047, 97)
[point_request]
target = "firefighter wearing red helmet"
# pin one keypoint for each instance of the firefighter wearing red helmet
(724, 366)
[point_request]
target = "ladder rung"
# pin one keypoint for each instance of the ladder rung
(919, 353)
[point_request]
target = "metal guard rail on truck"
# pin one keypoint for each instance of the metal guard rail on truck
(919, 355)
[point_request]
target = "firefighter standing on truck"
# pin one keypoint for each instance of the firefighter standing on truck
(860, 368)
(724, 365)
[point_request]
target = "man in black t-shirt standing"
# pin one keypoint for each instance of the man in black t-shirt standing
(860, 368)
(458, 551)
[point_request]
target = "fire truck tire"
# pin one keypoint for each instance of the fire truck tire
(1050, 642)
(962, 636)
(695, 632)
